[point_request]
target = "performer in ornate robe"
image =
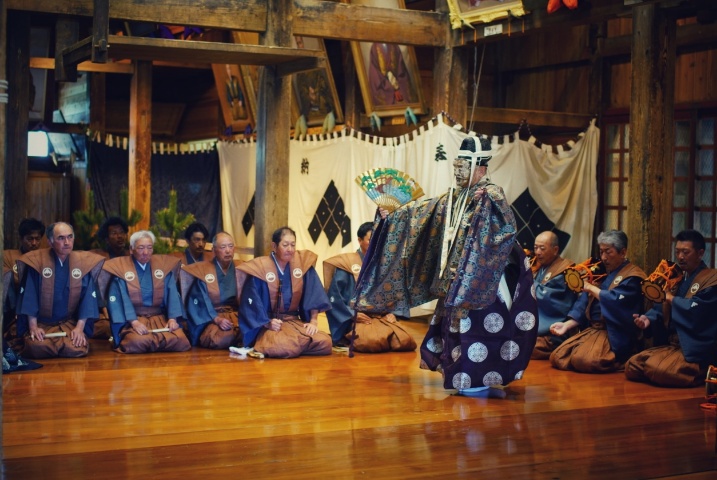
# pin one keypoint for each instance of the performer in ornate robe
(58, 300)
(281, 299)
(378, 333)
(210, 295)
(458, 248)
(142, 299)
(604, 314)
(684, 326)
(555, 299)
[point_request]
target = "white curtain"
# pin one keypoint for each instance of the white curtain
(562, 184)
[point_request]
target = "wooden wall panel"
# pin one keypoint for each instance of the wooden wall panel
(48, 197)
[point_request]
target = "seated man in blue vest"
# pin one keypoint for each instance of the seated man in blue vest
(142, 299)
(210, 290)
(58, 299)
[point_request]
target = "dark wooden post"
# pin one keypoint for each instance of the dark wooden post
(273, 130)
(450, 76)
(18, 109)
(140, 142)
(651, 166)
(3, 103)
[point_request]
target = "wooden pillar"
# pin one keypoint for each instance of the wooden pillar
(18, 109)
(98, 102)
(353, 101)
(651, 165)
(273, 130)
(599, 79)
(140, 142)
(450, 76)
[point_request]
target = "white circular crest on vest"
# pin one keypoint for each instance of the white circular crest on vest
(526, 261)
(159, 274)
(694, 288)
(617, 280)
(76, 273)
(113, 298)
(129, 276)
(14, 268)
(355, 268)
(435, 344)
(509, 351)
(271, 277)
(47, 272)
(493, 322)
(297, 273)
(492, 378)
(477, 352)
(547, 277)
(196, 302)
(461, 381)
(525, 321)
(456, 353)
(209, 278)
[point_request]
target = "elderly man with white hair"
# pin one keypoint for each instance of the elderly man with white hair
(142, 299)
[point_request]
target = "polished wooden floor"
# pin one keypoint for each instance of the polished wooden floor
(203, 414)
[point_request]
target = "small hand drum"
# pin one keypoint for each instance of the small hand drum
(591, 270)
(710, 389)
(664, 279)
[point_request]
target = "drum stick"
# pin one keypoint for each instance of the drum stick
(160, 330)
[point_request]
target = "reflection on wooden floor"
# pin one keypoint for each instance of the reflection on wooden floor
(203, 414)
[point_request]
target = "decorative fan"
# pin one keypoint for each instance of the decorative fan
(389, 188)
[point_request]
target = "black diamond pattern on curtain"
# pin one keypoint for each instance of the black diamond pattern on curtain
(248, 219)
(330, 218)
(531, 221)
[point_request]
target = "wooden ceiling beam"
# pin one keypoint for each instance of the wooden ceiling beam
(287, 60)
(314, 18)
(534, 117)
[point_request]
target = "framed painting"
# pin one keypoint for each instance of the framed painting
(233, 98)
(388, 73)
(483, 11)
(250, 73)
(315, 91)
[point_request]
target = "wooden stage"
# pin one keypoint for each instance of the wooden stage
(205, 415)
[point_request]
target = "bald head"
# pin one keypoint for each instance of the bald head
(546, 248)
(223, 245)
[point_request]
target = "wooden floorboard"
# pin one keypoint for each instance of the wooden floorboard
(203, 414)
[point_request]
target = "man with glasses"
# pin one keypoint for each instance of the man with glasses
(209, 292)
(58, 299)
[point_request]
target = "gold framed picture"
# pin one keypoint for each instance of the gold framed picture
(483, 11)
(388, 73)
(233, 97)
(314, 92)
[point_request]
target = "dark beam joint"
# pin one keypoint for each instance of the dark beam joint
(300, 65)
(79, 52)
(100, 31)
(66, 34)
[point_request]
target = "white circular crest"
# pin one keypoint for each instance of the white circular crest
(270, 277)
(159, 274)
(465, 325)
(519, 375)
(509, 351)
(694, 288)
(113, 298)
(477, 352)
(297, 273)
(617, 280)
(47, 272)
(129, 276)
(525, 321)
(14, 268)
(492, 378)
(526, 262)
(547, 277)
(435, 344)
(76, 273)
(493, 322)
(355, 268)
(461, 381)
(209, 278)
(533, 290)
